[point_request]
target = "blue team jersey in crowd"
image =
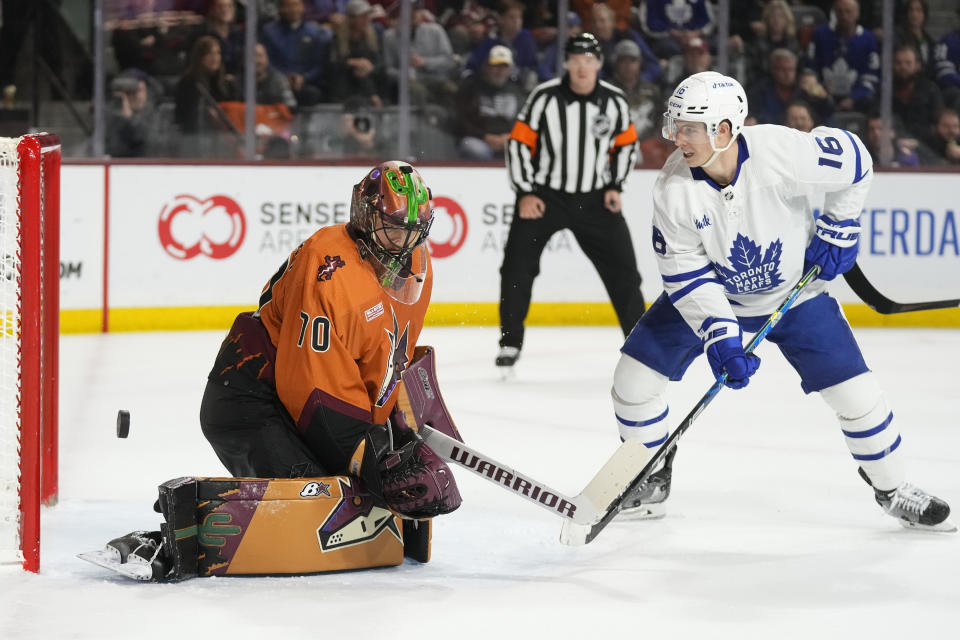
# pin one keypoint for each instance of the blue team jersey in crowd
(947, 60)
(848, 67)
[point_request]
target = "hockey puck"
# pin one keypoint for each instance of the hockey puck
(123, 423)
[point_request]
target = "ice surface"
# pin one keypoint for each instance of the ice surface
(769, 532)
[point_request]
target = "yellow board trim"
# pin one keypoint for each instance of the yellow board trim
(481, 314)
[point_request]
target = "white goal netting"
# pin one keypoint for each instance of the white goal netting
(9, 351)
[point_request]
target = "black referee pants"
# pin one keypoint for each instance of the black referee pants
(602, 235)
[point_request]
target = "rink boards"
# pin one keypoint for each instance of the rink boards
(159, 247)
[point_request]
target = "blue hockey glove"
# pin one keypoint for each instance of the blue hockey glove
(834, 247)
(723, 344)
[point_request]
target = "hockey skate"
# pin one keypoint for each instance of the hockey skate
(506, 358)
(138, 555)
(648, 501)
(914, 508)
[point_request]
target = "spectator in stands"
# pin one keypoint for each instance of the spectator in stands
(644, 98)
(768, 97)
(846, 58)
(220, 22)
(605, 28)
(947, 59)
(325, 11)
(467, 23)
(133, 128)
(272, 86)
(300, 49)
(695, 58)
(486, 107)
(799, 116)
(916, 98)
(621, 10)
(203, 85)
(912, 30)
(669, 25)
(547, 68)
(890, 148)
(510, 32)
(945, 139)
(356, 55)
(157, 44)
(433, 65)
(359, 136)
(777, 32)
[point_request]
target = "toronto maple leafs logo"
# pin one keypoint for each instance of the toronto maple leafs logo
(329, 266)
(397, 359)
(752, 270)
(839, 78)
(678, 12)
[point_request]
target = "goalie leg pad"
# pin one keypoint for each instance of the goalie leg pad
(262, 526)
(639, 402)
(866, 421)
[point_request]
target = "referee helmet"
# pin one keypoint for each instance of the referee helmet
(583, 43)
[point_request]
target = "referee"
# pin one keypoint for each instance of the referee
(569, 152)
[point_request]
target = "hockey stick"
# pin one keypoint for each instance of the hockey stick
(882, 304)
(584, 508)
(575, 533)
(421, 405)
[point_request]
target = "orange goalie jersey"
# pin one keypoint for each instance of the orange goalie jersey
(341, 341)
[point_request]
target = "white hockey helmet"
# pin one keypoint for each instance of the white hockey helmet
(708, 97)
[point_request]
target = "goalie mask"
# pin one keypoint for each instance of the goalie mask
(708, 97)
(390, 214)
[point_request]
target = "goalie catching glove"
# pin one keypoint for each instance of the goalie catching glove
(414, 481)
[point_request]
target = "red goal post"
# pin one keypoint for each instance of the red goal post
(29, 336)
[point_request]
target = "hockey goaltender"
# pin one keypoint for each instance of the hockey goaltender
(313, 405)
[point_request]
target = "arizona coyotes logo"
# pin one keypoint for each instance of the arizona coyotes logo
(355, 520)
(397, 359)
(329, 266)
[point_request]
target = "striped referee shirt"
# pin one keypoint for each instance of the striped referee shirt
(569, 142)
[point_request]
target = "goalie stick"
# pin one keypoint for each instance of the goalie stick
(577, 533)
(882, 304)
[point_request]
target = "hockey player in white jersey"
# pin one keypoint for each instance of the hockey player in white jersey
(733, 232)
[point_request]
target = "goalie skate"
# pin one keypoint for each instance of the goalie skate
(137, 555)
(915, 509)
(648, 501)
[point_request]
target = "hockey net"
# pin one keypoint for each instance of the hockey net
(29, 334)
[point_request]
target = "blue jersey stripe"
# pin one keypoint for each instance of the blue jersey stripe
(869, 432)
(680, 277)
(857, 176)
(643, 423)
(690, 287)
(882, 454)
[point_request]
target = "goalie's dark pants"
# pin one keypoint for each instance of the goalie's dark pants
(249, 428)
(813, 336)
(602, 234)
(254, 437)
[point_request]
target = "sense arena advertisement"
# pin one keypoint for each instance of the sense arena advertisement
(207, 236)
